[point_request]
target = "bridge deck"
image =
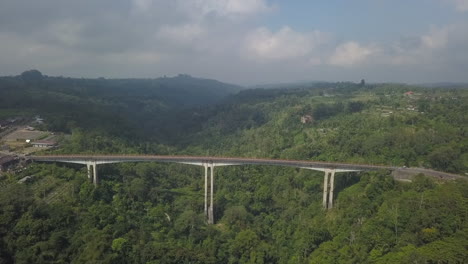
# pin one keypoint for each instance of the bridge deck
(215, 160)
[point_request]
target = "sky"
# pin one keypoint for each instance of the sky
(244, 42)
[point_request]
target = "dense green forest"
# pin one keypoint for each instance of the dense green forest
(153, 213)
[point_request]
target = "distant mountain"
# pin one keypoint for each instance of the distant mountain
(298, 84)
(444, 85)
(107, 103)
(186, 90)
(182, 90)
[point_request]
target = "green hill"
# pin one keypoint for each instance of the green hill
(153, 213)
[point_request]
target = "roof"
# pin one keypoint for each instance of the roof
(23, 180)
(44, 142)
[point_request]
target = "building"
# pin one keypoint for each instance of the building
(7, 161)
(44, 143)
(38, 120)
(25, 179)
(306, 119)
(409, 93)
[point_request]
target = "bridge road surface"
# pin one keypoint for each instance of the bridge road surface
(198, 160)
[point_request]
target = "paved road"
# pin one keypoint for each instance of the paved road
(241, 161)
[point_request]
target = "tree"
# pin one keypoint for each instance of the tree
(444, 158)
(32, 75)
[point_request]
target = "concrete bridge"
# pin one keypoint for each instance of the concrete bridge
(209, 163)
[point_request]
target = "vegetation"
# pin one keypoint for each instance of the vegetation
(153, 213)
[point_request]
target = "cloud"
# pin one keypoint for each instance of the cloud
(460, 5)
(231, 7)
(439, 46)
(142, 5)
(283, 44)
(181, 34)
(351, 53)
(436, 38)
(67, 32)
(228, 9)
(226, 39)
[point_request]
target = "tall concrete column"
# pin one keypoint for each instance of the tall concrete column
(206, 190)
(210, 214)
(325, 190)
(88, 166)
(95, 176)
(332, 186)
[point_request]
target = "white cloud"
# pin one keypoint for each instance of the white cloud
(283, 44)
(216, 38)
(142, 5)
(133, 57)
(20, 53)
(431, 47)
(315, 61)
(351, 53)
(231, 7)
(66, 32)
(460, 5)
(228, 9)
(180, 34)
(437, 38)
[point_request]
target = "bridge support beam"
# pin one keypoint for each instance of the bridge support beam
(95, 175)
(332, 187)
(92, 165)
(209, 210)
(206, 189)
(210, 213)
(88, 167)
(328, 186)
(325, 189)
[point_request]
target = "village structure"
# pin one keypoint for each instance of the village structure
(20, 136)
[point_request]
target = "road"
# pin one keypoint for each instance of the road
(220, 161)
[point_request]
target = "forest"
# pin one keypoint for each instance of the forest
(153, 213)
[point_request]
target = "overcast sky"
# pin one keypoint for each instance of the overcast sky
(238, 41)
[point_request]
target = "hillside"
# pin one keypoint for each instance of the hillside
(153, 213)
(107, 105)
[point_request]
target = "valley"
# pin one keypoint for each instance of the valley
(147, 212)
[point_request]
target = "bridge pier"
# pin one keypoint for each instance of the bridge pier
(94, 178)
(209, 210)
(88, 167)
(325, 189)
(210, 213)
(328, 186)
(206, 189)
(209, 163)
(95, 175)
(332, 187)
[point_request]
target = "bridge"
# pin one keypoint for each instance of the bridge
(209, 163)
